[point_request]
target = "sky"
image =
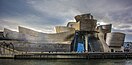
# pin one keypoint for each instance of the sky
(43, 15)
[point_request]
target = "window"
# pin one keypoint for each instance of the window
(112, 50)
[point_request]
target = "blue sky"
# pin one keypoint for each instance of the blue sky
(43, 15)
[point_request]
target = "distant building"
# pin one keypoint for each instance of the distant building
(127, 46)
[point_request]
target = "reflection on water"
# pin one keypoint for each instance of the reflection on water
(66, 62)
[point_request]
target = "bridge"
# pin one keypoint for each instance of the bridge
(7, 49)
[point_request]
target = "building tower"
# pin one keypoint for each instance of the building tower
(86, 28)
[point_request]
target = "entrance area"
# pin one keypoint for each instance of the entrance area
(80, 47)
(112, 50)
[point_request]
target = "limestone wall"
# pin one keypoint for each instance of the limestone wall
(75, 25)
(104, 28)
(103, 42)
(45, 42)
(9, 34)
(38, 37)
(41, 47)
(87, 24)
(46, 47)
(115, 39)
(28, 35)
(28, 31)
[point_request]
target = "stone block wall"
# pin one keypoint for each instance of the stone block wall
(37, 37)
(9, 34)
(75, 25)
(31, 36)
(87, 24)
(39, 47)
(115, 39)
(46, 47)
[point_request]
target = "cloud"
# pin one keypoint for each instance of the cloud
(7, 24)
(43, 15)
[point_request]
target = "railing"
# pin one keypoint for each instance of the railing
(7, 49)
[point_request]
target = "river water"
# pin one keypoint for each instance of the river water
(67, 62)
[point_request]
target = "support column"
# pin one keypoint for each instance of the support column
(75, 42)
(0, 51)
(86, 43)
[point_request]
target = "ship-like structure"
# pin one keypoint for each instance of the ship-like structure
(81, 36)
